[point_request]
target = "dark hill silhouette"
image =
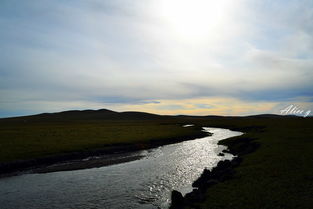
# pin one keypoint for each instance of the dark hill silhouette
(101, 114)
(105, 114)
(271, 116)
(139, 115)
(80, 114)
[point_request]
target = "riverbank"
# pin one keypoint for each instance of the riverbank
(224, 170)
(107, 155)
(278, 174)
(145, 183)
(274, 168)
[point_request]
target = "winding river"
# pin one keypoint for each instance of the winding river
(142, 184)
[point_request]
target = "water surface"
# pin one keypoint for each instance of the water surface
(142, 184)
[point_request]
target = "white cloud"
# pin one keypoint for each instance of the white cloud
(152, 51)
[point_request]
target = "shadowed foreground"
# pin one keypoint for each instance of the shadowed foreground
(278, 173)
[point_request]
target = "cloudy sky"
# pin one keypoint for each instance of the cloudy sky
(201, 57)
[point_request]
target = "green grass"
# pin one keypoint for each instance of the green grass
(20, 141)
(277, 175)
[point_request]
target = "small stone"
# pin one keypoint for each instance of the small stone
(177, 200)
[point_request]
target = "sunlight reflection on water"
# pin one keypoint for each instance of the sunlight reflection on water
(145, 183)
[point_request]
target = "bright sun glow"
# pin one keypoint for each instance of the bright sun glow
(196, 19)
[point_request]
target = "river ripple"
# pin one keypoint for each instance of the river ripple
(142, 184)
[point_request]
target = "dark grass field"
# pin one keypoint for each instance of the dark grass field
(32, 137)
(279, 174)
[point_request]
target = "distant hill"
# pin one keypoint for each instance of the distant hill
(105, 114)
(85, 115)
(139, 115)
(271, 116)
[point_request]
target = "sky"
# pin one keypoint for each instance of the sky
(195, 57)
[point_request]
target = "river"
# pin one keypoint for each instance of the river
(142, 184)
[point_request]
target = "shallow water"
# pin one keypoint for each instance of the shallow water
(143, 184)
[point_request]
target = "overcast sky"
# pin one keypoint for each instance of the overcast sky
(198, 57)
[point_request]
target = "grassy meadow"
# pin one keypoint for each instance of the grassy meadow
(28, 139)
(279, 174)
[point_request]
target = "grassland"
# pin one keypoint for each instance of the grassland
(21, 141)
(279, 174)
